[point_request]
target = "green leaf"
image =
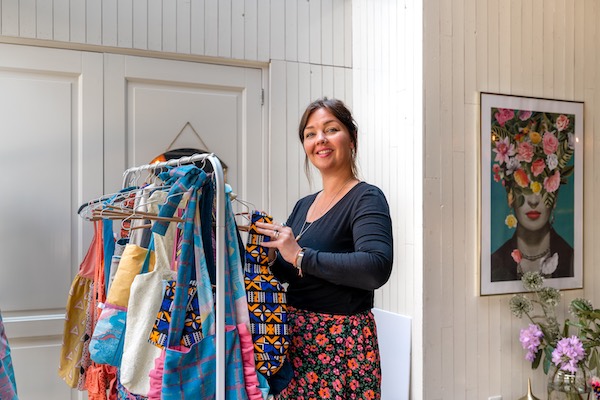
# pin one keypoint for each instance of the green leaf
(536, 360)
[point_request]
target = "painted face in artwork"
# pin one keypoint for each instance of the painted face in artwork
(533, 214)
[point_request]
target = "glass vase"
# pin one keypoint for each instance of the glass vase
(566, 385)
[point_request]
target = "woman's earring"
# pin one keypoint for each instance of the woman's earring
(552, 218)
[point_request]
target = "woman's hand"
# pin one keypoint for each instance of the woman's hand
(282, 239)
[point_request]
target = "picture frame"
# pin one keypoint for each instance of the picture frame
(531, 198)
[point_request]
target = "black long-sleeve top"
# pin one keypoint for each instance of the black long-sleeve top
(348, 253)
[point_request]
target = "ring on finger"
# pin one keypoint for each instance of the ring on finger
(276, 234)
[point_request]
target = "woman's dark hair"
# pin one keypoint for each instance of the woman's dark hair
(339, 110)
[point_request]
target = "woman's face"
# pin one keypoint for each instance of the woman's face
(327, 142)
(533, 214)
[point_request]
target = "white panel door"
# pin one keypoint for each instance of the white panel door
(155, 105)
(51, 158)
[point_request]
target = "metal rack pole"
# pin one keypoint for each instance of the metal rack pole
(220, 247)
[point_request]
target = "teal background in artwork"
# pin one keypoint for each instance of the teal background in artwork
(564, 213)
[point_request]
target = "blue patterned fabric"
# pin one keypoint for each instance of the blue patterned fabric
(191, 373)
(266, 303)
(8, 385)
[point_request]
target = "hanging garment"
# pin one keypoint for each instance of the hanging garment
(8, 385)
(106, 345)
(190, 373)
(144, 302)
(77, 331)
(266, 303)
(99, 377)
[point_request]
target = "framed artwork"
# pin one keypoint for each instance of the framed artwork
(531, 192)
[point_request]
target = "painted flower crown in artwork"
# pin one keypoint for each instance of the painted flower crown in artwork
(532, 151)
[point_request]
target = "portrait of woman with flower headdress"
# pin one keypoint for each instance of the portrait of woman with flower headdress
(532, 156)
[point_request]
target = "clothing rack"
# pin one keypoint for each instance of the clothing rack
(220, 248)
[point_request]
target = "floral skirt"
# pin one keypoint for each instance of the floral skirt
(333, 356)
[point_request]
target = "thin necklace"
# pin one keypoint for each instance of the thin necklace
(305, 226)
(537, 256)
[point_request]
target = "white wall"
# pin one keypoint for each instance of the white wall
(388, 87)
(539, 48)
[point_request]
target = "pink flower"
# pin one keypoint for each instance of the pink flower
(530, 339)
(550, 143)
(562, 122)
(516, 255)
(504, 150)
(496, 170)
(552, 182)
(538, 166)
(567, 354)
(525, 152)
(524, 115)
(522, 179)
(503, 115)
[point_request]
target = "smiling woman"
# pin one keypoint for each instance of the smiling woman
(334, 250)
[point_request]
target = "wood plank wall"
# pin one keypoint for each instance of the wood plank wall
(388, 87)
(538, 48)
(306, 44)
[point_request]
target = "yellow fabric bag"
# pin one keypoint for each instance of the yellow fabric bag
(129, 267)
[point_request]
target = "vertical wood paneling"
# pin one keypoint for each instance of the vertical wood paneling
(278, 145)
(263, 39)
(125, 18)
(27, 18)
(493, 47)
(516, 38)
(77, 18)
(93, 22)
(251, 30)
(539, 48)
(109, 22)
(315, 31)
(482, 46)
(154, 25)
(277, 34)
(548, 47)
(339, 32)
(578, 45)
(316, 81)
(237, 30)
(197, 30)
(327, 88)
(60, 20)
(559, 50)
(140, 24)
(44, 20)
(211, 27)
(304, 37)
(538, 40)
(504, 39)
(183, 27)
(326, 23)
(525, 59)
(293, 148)
(169, 26)
(304, 99)
(291, 30)
(225, 28)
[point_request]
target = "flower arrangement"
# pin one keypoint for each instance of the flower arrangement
(564, 348)
(532, 152)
